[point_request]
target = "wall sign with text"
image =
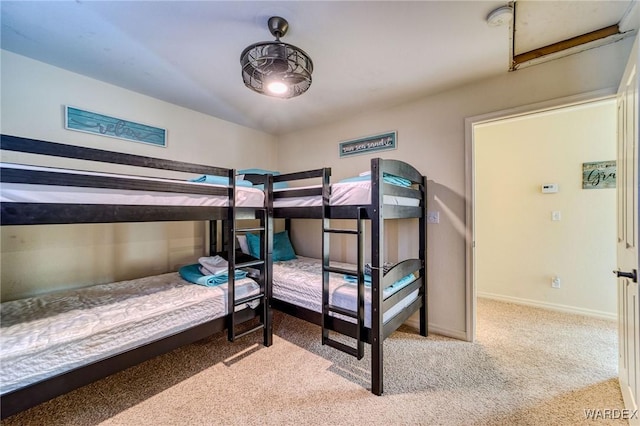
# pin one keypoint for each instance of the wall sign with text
(599, 174)
(369, 144)
(99, 124)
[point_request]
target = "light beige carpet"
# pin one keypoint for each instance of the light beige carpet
(528, 367)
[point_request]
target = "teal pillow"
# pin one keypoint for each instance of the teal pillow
(257, 172)
(282, 248)
(253, 242)
(280, 185)
(276, 185)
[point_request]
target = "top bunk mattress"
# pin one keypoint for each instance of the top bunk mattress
(35, 193)
(356, 193)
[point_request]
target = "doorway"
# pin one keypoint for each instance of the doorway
(534, 233)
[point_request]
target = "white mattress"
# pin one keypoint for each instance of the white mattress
(50, 334)
(343, 194)
(27, 193)
(299, 282)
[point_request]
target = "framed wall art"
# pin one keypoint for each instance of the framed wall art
(599, 175)
(99, 124)
(368, 144)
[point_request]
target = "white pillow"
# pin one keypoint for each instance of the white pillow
(242, 242)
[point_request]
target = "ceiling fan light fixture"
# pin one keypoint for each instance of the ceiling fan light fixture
(274, 68)
(277, 87)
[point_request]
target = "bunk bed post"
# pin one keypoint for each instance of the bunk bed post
(267, 218)
(326, 246)
(213, 237)
(422, 254)
(377, 260)
(230, 235)
(360, 331)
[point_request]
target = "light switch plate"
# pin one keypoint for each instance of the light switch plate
(433, 217)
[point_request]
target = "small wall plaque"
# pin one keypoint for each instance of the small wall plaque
(599, 175)
(369, 144)
(90, 122)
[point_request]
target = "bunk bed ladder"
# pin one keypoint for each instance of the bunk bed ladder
(260, 264)
(232, 331)
(329, 309)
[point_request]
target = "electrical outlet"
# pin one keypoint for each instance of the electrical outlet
(555, 282)
(433, 217)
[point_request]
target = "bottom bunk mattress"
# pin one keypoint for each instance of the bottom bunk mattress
(46, 335)
(299, 282)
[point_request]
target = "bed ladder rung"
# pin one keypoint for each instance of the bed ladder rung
(341, 231)
(341, 270)
(257, 229)
(251, 330)
(231, 332)
(342, 311)
(342, 347)
(248, 299)
(250, 263)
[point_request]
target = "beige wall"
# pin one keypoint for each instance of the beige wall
(519, 249)
(431, 136)
(38, 259)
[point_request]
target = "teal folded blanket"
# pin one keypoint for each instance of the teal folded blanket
(386, 177)
(220, 180)
(354, 280)
(396, 180)
(192, 274)
(401, 283)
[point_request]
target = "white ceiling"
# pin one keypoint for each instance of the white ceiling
(366, 54)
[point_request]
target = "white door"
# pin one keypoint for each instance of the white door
(628, 233)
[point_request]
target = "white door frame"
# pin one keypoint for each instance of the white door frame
(469, 160)
(627, 245)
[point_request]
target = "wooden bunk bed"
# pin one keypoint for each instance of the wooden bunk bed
(395, 292)
(165, 199)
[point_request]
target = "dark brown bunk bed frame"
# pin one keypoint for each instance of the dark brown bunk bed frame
(225, 244)
(376, 212)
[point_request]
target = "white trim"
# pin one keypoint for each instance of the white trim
(550, 306)
(544, 106)
(414, 323)
(447, 332)
(469, 123)
(630, 19)
(436, 329)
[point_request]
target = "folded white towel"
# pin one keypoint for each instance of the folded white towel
(204, 271)
(214, 264)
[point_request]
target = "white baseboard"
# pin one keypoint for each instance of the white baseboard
(414, 322)
(447, 332)
(551, 306)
